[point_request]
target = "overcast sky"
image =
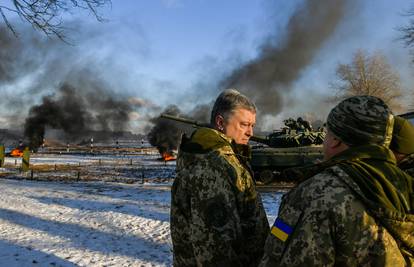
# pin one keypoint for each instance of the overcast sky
(172, 46)
(176, 51)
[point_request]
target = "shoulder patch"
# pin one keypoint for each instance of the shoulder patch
(281, 230)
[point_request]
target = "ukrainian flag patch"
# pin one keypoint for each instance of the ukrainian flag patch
(281, 230)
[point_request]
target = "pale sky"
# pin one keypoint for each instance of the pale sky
(175, 51)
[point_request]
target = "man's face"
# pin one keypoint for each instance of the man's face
(239, 125)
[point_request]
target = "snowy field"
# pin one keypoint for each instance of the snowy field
(115, 167)
(92, 223)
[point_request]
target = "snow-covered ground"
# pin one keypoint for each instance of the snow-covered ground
(95, 223)
(126, 167)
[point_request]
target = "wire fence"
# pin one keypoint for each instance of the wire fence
(145, 168)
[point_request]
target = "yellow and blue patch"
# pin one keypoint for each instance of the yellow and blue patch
(281, 230)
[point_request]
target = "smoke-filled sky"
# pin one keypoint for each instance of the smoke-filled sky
(151, 54)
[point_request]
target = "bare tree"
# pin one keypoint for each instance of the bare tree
(408, 30)
(369, 75)
(408, 39)
(46, 15)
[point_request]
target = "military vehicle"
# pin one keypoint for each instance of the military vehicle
(289, 149)
(409, 116)
(295, 145)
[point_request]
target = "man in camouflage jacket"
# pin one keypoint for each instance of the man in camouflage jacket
(358, 209)
(217, 217)
(402, 144)
(407, 164)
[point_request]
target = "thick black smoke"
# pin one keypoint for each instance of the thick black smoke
(75, 97)
(277, 66)
(201, 113)
(267, 77)
(78, 113)
(166, 134)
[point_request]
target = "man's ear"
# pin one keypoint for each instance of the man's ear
(336, 142)
(220, 122)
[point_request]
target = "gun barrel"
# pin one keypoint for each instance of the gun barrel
(259, 139)
(171, 117)
(187, 121)
(197, 124)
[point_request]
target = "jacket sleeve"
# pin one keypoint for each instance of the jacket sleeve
(301, 235)
(215, 228)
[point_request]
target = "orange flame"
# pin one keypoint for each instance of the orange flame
(16, 153)
(167, 156)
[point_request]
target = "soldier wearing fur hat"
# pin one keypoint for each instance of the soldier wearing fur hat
(358, 208)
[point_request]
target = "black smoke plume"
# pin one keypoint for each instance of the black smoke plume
(265, 78)
(166, 134)
(277, 66)
(79, 113)
(75, 97)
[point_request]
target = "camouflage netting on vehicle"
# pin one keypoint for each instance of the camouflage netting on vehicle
(296, 145)
(295, 133)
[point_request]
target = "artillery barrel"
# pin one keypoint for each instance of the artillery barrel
(197, 124)
(259, 139)
(186, 121)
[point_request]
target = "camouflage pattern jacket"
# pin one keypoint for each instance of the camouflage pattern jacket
(217, 217)
(407, 165)
(322, 222)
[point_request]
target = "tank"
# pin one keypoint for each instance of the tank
(295, 145)
(409, 116)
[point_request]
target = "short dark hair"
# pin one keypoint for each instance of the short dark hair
(228, 101)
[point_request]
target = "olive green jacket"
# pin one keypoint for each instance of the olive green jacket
(217, 217)
(327, 220)
(407, 165)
